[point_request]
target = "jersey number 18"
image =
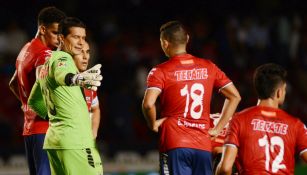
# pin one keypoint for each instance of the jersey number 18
(196, 92)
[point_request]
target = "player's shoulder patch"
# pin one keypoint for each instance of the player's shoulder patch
(63, 59)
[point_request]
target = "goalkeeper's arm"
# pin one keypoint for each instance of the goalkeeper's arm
(89, 79)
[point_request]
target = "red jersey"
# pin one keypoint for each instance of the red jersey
(186, 85)
(220, 139)
(90, 98)
(32, 55)
(267, 140)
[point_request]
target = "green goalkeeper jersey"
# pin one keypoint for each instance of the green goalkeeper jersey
(69, 121)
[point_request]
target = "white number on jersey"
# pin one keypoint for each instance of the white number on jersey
(196, 97)
(269, 148)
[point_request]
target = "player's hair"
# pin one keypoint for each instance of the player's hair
(69, 22)
(267, 78)
(174, 32)
(49, 15)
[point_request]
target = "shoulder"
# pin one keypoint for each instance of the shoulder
(288, 116)
(60, 55)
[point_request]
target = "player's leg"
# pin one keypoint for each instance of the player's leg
(81, 161)
(28, 140)
(41, 159)
(176, 161)
(97, 161)
(202, 162)
(216, 160)
(55, 161)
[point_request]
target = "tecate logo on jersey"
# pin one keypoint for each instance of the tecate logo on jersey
(270, 127)
(194, 74)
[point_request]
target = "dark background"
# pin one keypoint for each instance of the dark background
(124, 36)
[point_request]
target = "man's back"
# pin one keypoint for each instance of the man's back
(32, 55)
(186, 83)
(268, 139)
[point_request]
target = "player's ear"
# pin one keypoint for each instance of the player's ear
(42, 29)
(188, 38)
(165, 43)
(61, 40)
(279, 92)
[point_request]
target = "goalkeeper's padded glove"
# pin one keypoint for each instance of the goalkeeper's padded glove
(89, 79)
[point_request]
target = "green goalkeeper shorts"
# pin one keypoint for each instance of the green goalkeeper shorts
(75, 161)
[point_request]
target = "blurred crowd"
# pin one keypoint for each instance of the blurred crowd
(124, 38)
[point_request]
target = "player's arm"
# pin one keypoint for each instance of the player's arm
(231, 102)
(229, 155)
(13, 84)
(149, 109)
(36, 101)
(65, 76)
(95, 119)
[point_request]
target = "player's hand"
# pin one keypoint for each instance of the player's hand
(213, 133)
(158, 123)
(90, 79)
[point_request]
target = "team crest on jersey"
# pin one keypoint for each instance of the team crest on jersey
(62, 62)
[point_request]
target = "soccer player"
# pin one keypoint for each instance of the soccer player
(264, 137)
(81, 61)
(69, 140)
(32, 55)
(185, 84)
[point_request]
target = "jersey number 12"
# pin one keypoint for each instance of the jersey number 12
(269, 147)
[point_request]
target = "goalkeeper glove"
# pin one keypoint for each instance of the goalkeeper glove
(89, 79)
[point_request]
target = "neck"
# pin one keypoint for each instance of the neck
(268, 103)
(43, 40)
(176, 52)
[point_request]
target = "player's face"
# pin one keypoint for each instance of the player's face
(51, 35)
(81, 60)
(75, 40)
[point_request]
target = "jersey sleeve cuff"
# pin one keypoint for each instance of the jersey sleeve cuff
(225, 86)
(231, 145)
(156, 88)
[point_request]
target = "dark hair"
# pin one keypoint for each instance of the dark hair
(49, 15)
(69, 22)
(267, 78)
(174, 32)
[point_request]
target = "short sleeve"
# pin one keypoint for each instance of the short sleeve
(221, 80)
(301, 137)
(232, 136)
(155, 79)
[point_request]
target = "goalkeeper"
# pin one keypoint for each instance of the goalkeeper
(69, 141)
